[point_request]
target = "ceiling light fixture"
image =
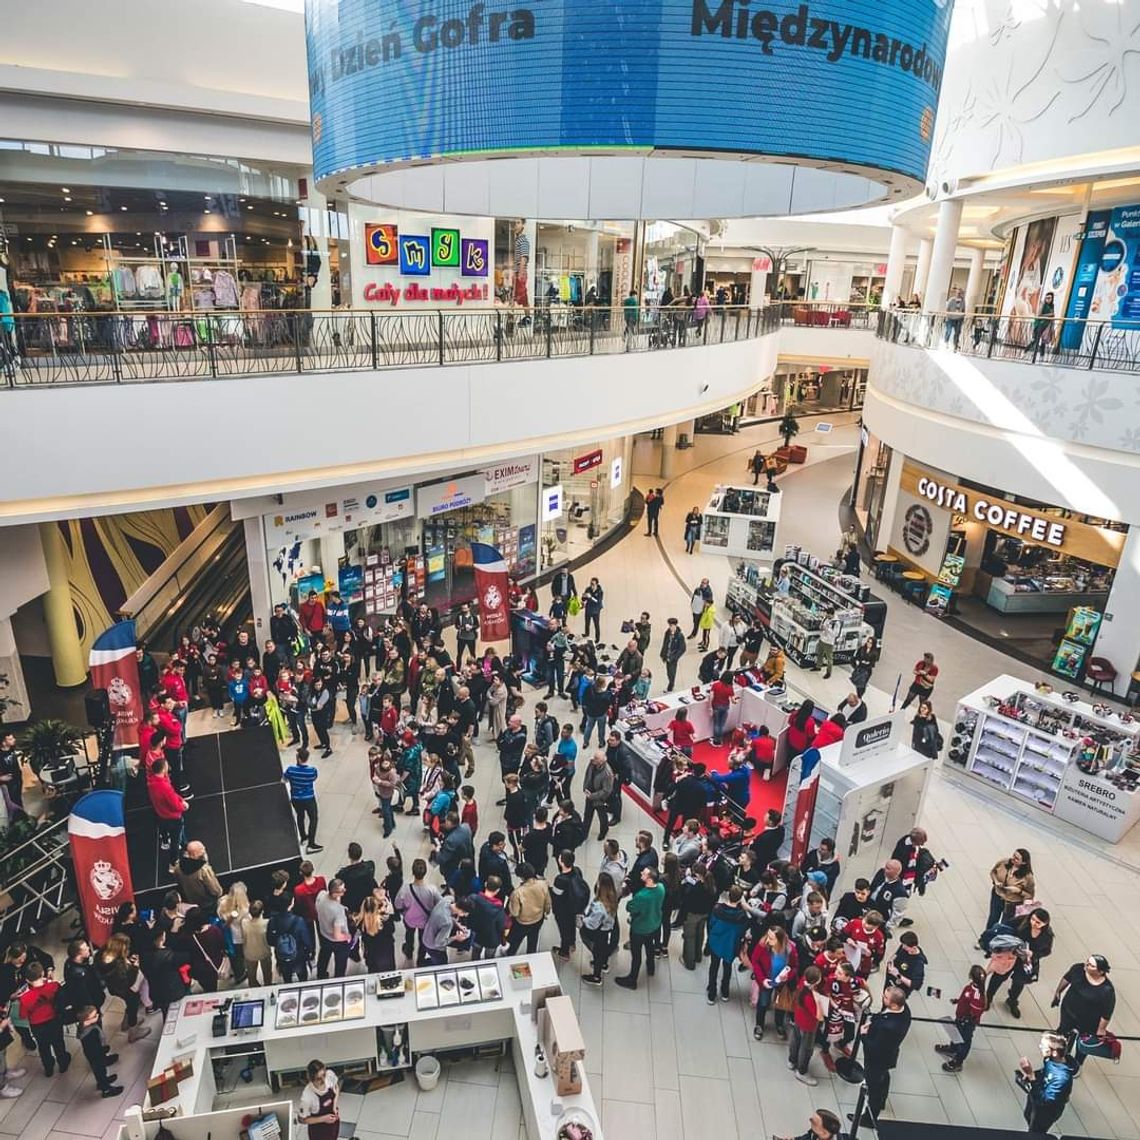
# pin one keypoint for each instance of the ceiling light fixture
(89, 213)
(64, 190)
(123, 208)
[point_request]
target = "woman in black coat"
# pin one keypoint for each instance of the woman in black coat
(925, 737)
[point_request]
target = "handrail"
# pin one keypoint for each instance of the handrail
(96, 347)
(1061, 342)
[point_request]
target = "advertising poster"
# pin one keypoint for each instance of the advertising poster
(115, 668)
(97, 834)
(493, 591)
(1082, 294)
(436, 564)
(1069, 658)
(1012, 262)
(1084, 624)
(350, 580)
(1062, 259)
(1027, 279)
(1116, 295)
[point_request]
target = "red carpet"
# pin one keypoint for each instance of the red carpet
(765, 793)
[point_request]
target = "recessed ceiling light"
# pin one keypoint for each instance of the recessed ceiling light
(207, 197)
(65, 190)
(206, 211)
(89, 213)
(122, 208)
(249, 207)
(1, 201)
(67, 199)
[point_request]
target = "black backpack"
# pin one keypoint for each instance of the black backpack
(578, 892)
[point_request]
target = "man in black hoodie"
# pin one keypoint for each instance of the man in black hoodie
(358, 876)
(688, 799)
(766, 846)
(493, 861)
(621, 764)
(81, 984)
(646, 857)
(883, 1035)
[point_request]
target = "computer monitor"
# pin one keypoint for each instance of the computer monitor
(247, 1014)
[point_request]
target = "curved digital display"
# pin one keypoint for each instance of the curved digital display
(846, 81)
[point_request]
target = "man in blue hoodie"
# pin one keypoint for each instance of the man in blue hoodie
(727, 924)
(736, 782)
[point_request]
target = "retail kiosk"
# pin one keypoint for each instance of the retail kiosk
(741, 522)
(367, 1026)
(814, 592)
(1077, 761)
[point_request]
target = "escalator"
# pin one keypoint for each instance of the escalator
(206, 575)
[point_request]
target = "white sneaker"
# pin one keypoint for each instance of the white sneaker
(806, 1079)
(15, 1074)
(10, 1093)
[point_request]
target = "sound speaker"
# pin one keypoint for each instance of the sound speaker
(98, 707)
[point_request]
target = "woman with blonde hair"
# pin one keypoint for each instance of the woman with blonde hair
(120, 972)
(376, 922)
(597, 926)
(233, 907)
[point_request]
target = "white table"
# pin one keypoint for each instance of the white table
(428, 1030)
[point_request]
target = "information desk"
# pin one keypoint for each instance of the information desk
(1077, 761)
(645, 724)
(286, 1045)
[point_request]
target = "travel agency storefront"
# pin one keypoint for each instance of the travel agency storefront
(1036, 578)
(378, 542)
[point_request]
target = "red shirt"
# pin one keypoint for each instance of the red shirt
(306, 898)
(388, 720)
(174, 686)
(37, 1003)
(721, 695)
(799, 739)
(970, 1004)
(167, 803)
(871, 942)
(806, 1012)
(829, 732)
(146, 731)
(764, 750)
(683, 733)
(925, 675)
(470, 816)
(312, 615)
(258, 687)
(173, 728)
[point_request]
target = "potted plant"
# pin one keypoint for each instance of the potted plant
(47, 743)
(789, 428)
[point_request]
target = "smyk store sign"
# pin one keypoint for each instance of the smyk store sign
(423, 255)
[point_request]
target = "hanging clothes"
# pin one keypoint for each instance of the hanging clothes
(149, 282)
(225, 290)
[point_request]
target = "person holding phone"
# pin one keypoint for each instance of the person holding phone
(320, 1099)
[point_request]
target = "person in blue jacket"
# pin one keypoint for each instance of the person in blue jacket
(736, 783)
(239, 694)
(336, 611)
(727, 925)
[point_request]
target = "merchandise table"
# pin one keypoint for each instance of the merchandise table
(1077, 761)
(645, 724)
(436, 1009)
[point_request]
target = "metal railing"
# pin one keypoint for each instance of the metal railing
(1060, 342)
(117, 348)
(827, 314)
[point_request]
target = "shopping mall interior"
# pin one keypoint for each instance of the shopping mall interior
(340, 342)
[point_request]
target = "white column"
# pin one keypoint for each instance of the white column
(315, 241)
(668, 451)
(942, 256)
(922, 270)
(260, 587)
(1119, 638)
(974, 280)
(896, 263)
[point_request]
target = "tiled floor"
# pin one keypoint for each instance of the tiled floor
(662, 1062)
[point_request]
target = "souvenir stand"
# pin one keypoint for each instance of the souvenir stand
(816, 591)
(366, 1027)
(1075, 760)
(869, 793)
(741, 522)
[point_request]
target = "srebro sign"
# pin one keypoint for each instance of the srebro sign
(1079, 539)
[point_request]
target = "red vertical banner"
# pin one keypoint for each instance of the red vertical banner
(805, 805)
(493, 590)
(115, 668)
(98, 836)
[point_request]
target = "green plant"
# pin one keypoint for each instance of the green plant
(47, 742)
(789, 427)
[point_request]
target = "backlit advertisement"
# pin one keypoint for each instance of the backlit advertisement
(1106, 286)
(401, 81)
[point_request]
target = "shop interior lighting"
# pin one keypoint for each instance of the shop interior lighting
(65, 190)
(123, 208)
(89, 213)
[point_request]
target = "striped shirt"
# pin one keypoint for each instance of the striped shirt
(301, 779)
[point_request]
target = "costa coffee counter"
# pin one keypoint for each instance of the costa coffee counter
(645, 724)
(1077, 761)
(368, 1024)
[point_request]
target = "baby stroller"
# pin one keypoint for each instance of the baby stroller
(255, 715)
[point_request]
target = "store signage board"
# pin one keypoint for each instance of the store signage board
(515, 473)
(587, 462)
(871, 738)
(552, 503)
(615, 472)
(823, 428)
(450, 495)
(313, 513)
(1096, 805)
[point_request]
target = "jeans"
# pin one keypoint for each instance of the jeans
(306, 810)
(640, 944)
(801, 1045)
(321, 728)
(690, 542)
(724, 967)
(719, 717)
(556, 677)
(652, 522)
(388, 816)
(297, 726)
(966, 1028)
(598, 943)
(613, 805)
(567, 930)
(595, 618)
(520, 931)
(670, 675)
(603, 818)
(590, 723)
(49, 1041)
(460, 645)
(997, 910)
(172, 834)
(296, 971)
(436, 957)
(763, 1004)
(1017, 982)
(338, 951)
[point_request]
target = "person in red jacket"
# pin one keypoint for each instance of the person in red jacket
(40, 1008)
(682, 732)
(168, 806)
(774, 964)
(866, 934)
(968, 1010)
(844, 990)
(802, 727)
(830, 731)
(173, 684)
(147, 726)
(312, 614)
(763, 751)
(172, 745)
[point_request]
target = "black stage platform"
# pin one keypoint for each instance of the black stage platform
(240, 811)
